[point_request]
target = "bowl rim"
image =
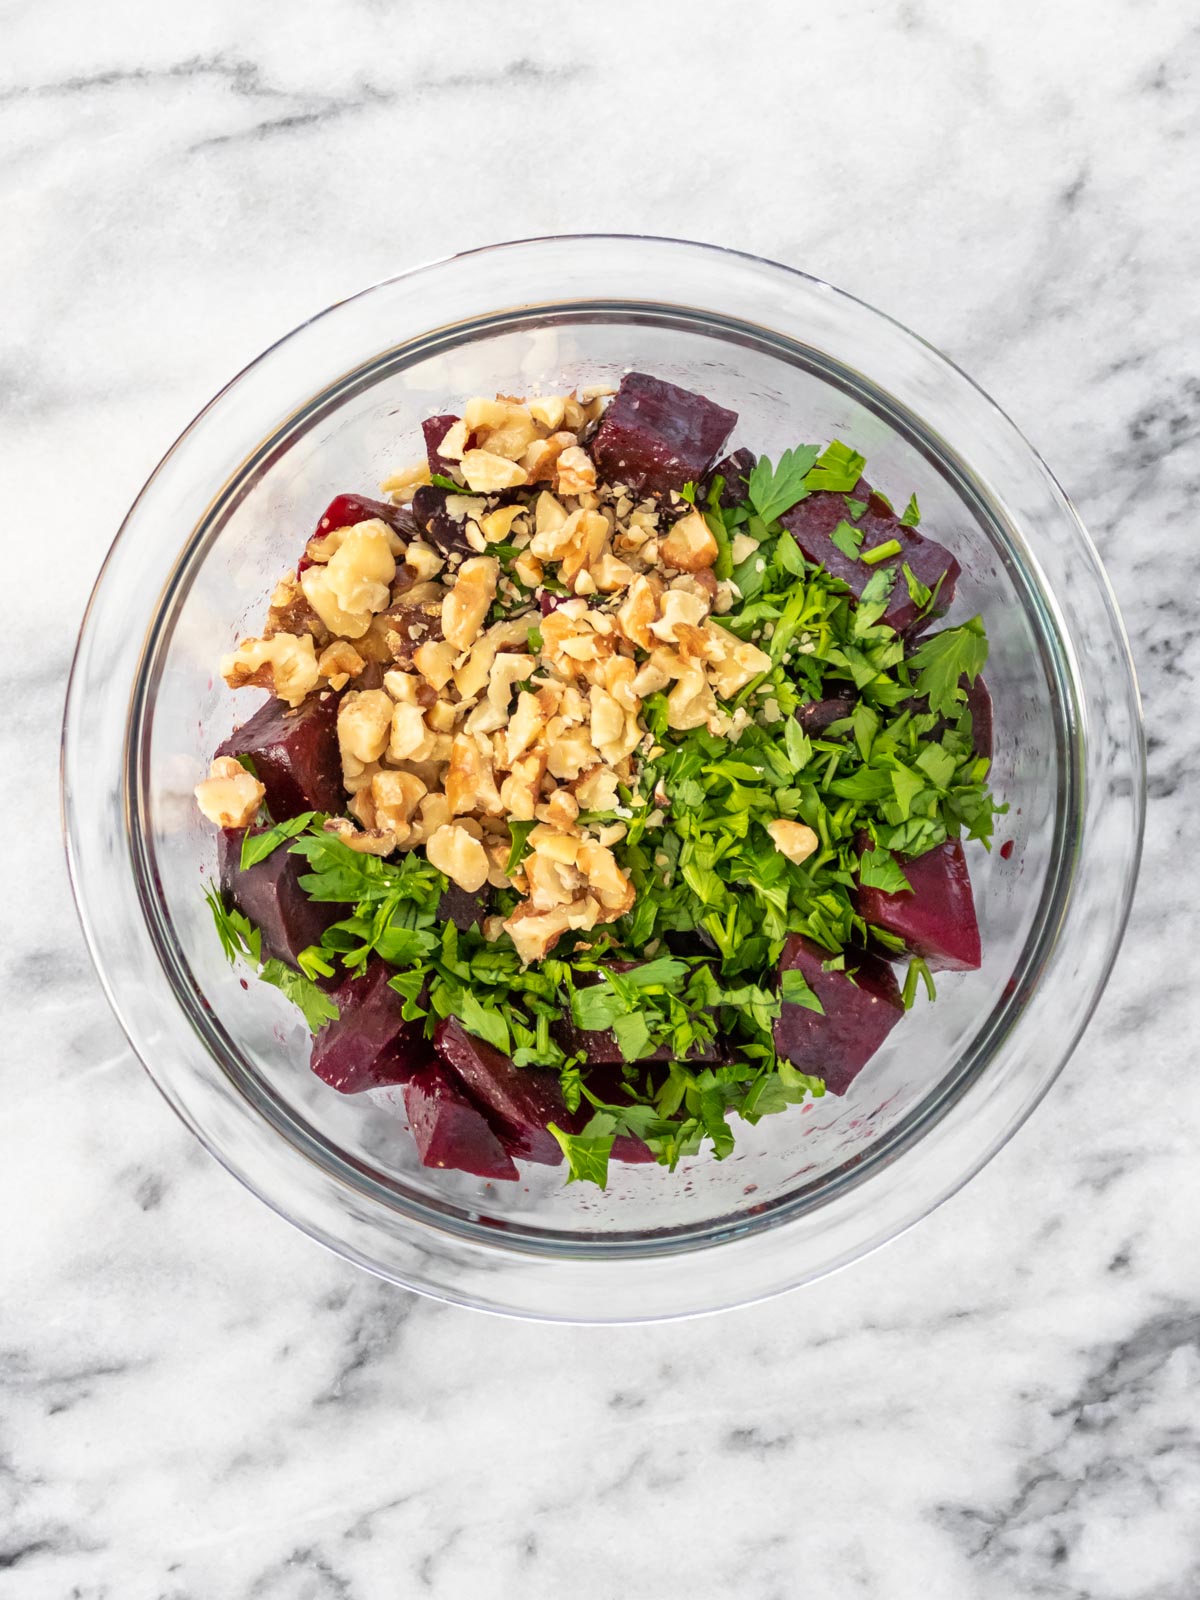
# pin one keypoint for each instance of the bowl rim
(500, 1242)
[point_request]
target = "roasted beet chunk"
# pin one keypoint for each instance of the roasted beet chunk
(295, 754)
(813, 521)
(441, 529)
(369, 1043)
(449, 1132)
(435, 430)
(464, 910)
(937, 919)
(979, 704)
(735, 469)
(519, 1101)
(344, 510)
(269, 893)
(656, 437)
(858, 1017)
(816, 716)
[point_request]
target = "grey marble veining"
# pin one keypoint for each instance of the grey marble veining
(196, 1402)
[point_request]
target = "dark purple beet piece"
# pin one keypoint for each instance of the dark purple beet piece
(656, 437)
(344, 510)
(937, 920)
(439, 527)
(295, 754)
(859, 1015)
(464, 910)
(735, 469)
(816, 716)
(518, 1101)
(979, 704)
(435, 430)
(369, 1043)
(448, 1130)
(813, 521)
(269, 893)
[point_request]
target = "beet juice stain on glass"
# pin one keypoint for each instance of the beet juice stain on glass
(603, 781)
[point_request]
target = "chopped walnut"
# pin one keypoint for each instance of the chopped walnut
(471, 781)
(424, 560)
(367, 841)
(612, 888)
(549, 411)
(453, 444)
(469, 602)
(575, 473)
(486, 473)
(678, 606)
(394, 797)
(285, 664)
(290, 612)
(534, 933)
(597, 790)
(404, 484)
(639, 610)
(689, 545)
(339, 662)
(518, 792)
(230, 796)
(364, 724)
(513, 435)
(793, 839)
(691, 704)
(409, 738)
(732, 661)
(560, 811)
(361, 569)
(434, 660)
(318, 591)
(497, 525)
(452, 850)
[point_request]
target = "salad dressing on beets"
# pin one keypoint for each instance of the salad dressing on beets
(608, 789)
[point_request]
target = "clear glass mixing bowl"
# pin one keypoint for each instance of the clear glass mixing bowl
(337, 406)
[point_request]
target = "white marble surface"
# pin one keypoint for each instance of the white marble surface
(197, 1402)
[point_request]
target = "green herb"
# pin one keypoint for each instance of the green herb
(880, 552)
(534, 640)
(315, 1005)
(944, 658)
(917, 970)
(855, 508)
(587, 1153)
(847, 539)
(878, 869)
(838, 468)
(795, 990)
(439, 480)
(912, 513)
(519, 833)
(257, 847)
(238, 935)
(774, 490)
(917, 592)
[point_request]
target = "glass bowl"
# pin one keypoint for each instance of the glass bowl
(336, 406)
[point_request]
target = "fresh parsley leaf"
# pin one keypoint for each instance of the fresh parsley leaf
(534, 640)
(587, 1153)
(943, 658)
(519, 833)
(797, 744)
(313, 964)
(838, 468)
(787, 554)
(633, 1035)
(879, 869)
(855, 508)
(484, 1023)
(439, 480)
(847, 538)
(238, 935)
(257, 847)
(912, 513)
(880, 552)
(315, 1005)
(917, 592)
(795, 990)
(774, 490)
(688, 492)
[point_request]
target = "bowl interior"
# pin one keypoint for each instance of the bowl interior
(367, 425)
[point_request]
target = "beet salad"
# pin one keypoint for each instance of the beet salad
(610, 787)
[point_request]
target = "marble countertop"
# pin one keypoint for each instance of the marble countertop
(196, 1401)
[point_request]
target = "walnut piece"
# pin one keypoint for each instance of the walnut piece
(364, 724)
(689, 545)
(285, 663)
(339, 662)
(230, 796)
(452, 850)
(469, 602)
(486, 473)
(793, 839)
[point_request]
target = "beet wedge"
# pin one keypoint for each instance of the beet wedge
(269, 893)
(812, 524)
(295, 755)
(344, 510)
(519, 1102)
(369, 1044)
(435, 430)
(937, 919)
(858, 1014)
(450, 1132)
(656, 437)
